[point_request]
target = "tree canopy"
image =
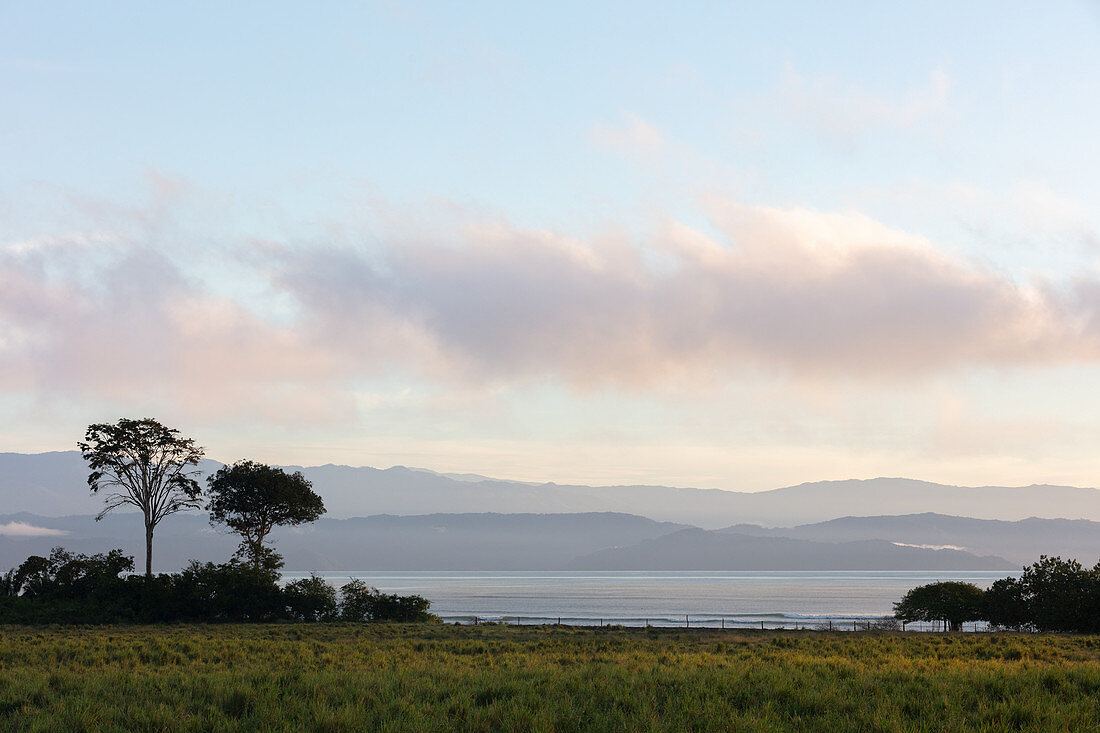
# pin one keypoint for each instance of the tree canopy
(144, 464)
(251, 499)
(951, 601)
(1051, 595)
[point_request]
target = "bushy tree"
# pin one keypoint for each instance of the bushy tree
(252, 499)
(231, 591)
(67, 575)
(1060, 595)
(953, 602)
(68, 588)
(310, 599)
(8, 588)
(1005, 606)
(361, 602)
(146, 465)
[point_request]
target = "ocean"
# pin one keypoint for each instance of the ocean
(734, 599)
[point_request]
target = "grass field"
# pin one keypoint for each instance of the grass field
(433, 677)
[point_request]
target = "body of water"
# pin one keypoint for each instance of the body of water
(732, 599)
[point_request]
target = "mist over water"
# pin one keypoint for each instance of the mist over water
(785, 599)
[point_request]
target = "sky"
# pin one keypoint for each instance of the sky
(727, 245)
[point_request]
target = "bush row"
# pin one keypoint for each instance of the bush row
(75, 588)
(1050, 595)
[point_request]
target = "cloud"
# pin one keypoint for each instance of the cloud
(805, 292)
(138, 324)
(67, 241)
(844, 111)
(22, 529)
(931, 547)
(795, 292)
(1019, 213)
(635, 136)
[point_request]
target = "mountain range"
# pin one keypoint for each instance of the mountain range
(415, 519)
(1022, 541)
(54, 484)
(699, 549)
(606, 541)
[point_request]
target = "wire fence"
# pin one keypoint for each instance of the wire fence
(688, 621)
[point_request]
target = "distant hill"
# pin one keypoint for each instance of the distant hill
(697, 549)
(53, 484)
(424, 542)
(606, 541)
(1021, 542)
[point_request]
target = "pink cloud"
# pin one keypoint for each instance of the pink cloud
(801, 291)
(783, 290)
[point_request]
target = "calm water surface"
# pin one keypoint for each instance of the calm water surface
(705, 598)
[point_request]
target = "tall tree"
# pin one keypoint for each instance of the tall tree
(144, 464)
(252, 499)
(951, 601)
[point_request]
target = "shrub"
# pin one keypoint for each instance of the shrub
(71, 588)
(65, 575)
(231, 591)
(8, 587)
(360, 602)
(310, 599)
(1005, 607)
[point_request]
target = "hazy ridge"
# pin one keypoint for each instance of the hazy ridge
(53, 484)
(605, 541)
(415, 519)
(698, 549)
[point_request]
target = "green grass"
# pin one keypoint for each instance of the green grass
(434, 677)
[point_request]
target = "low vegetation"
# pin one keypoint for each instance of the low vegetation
(417, 677)
(1051, 595)
(81, 589)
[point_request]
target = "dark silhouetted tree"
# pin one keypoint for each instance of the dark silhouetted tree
(952, 601)
(144, 464)
(67, 575)
(1060, 595)
(251, 499)
(310, 599)
(361, 602)
(1005, 605)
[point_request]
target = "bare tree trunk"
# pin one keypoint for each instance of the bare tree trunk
(148, 550)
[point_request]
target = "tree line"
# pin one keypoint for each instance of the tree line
(1050, 595)
(75, 588)
(142, 463)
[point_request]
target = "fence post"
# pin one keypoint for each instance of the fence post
(687, 622)
(761, 624)
(723, 623)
